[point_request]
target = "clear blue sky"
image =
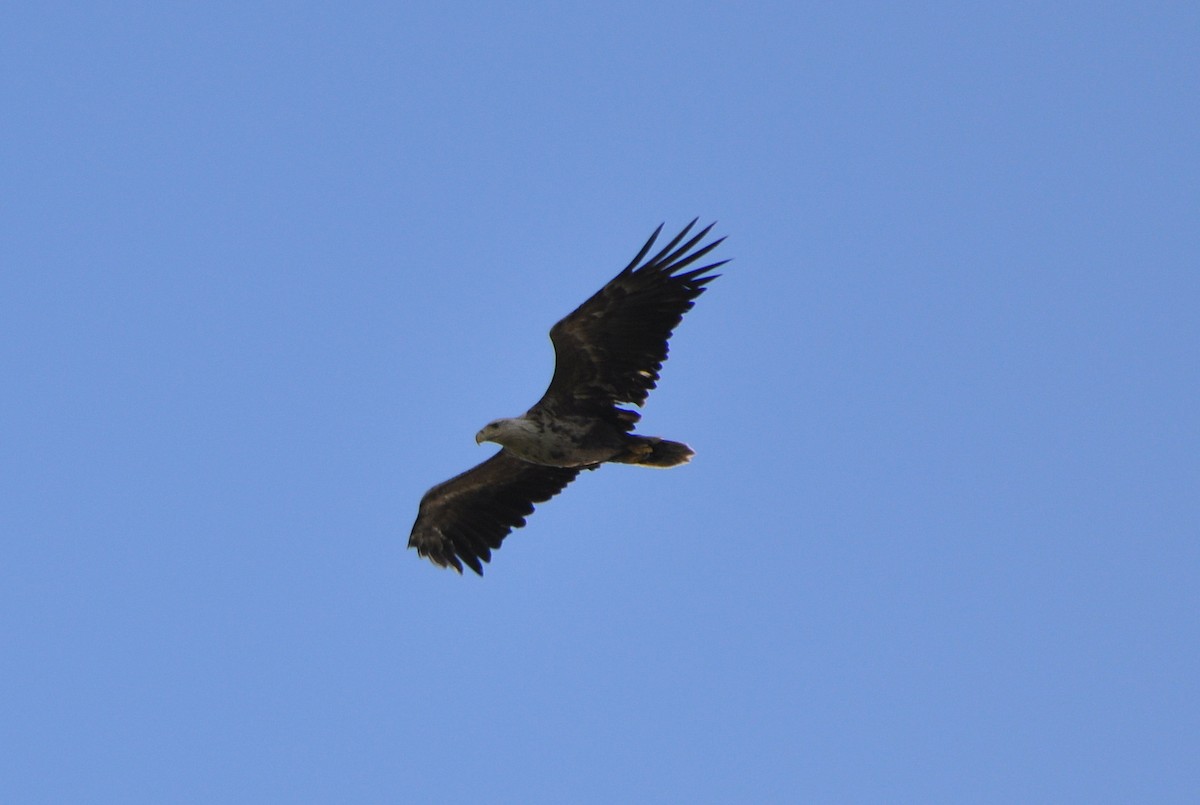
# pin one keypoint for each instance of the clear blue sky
(266, 269)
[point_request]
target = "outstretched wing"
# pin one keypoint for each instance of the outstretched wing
(466, 518)
(611, 348)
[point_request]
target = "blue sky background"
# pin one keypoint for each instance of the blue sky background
(268, 267)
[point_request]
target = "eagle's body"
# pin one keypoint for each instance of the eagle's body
(570, 441)
(576, 441)
(608, 352)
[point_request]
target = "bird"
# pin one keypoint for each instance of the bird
(608, 355)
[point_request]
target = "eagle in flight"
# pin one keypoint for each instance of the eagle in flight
(608, 352)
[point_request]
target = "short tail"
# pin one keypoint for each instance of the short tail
(651, 451)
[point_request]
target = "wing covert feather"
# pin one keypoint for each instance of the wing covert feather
(462, 520)
(611, 348)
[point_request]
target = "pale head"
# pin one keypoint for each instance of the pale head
(498, 431)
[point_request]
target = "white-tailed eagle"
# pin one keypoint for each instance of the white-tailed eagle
(608, 352)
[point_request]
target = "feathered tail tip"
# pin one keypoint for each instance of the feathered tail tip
(651, 451)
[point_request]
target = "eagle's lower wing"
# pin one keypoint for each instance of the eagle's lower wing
(464, 519)
(611, 348)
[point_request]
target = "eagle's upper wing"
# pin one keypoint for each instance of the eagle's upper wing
(464, 519)
(611, 348)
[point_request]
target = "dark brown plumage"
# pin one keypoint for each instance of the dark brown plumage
(475, 510)
(608, 352)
